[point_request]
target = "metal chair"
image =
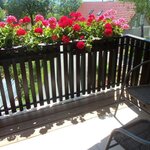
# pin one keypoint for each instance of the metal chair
(133, 136)
(136, 135)
(140, 92)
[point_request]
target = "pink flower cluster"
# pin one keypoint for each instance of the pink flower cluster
(39, 18)
(25, 20)
(11, 19)
(52, 22)
(121, 22)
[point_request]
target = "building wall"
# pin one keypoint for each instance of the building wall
(137, 31)
(136, 27)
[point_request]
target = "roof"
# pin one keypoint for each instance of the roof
(124, 9)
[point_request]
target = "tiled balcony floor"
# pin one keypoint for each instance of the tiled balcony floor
(88, 131)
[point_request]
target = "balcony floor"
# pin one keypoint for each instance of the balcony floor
(84, 127)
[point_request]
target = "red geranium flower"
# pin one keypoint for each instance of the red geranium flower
(101, 18)
(91, 18)
(80, 45)
(65, 21)
(45, 23)
(52, 22)
(76, 27)
(15, 25)
(21, 32)
(2, 24)
(54, 37)
(52, 26)
(88, 23)
(26, 19)
(108, 26)
(20, 21)
(38, 30)
(65, 39)
(82, 19)
(39, 18)
(75, 16)
(108, 32)
(81, 37)
(11, 19)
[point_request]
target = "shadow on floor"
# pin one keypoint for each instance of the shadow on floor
(42, 125)
(42, 122)
(103, 143)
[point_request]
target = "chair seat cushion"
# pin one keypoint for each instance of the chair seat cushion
(141, 129)
(142, 93)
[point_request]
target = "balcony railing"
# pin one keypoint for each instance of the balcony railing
(55, 73)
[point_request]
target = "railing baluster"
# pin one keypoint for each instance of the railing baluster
(119, 75)
(137, 59)
(32, 84)
(125, 58)
(66, 77)
(18, 88)
(104, 68)
(59, 74)
(25, 84)
(53, 79)
(110, 68)
(9, 86)
(83, 68)
(3, 96)
(39, 81)
(71, 73)
(78, 72)
(99, 80)
(89, 78)
(114, 64)
(94, 59)
(145, 75)
(46, 85)
(130, 57)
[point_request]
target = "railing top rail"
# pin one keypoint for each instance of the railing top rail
(136, 37)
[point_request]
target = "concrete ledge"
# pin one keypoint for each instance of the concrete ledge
(31, 120)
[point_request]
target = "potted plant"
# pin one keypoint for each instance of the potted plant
(74, 28)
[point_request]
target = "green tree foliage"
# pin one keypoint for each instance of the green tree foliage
(2, 11)
(2, 14)
(20, 8)
(2, 4)
(142, 7)
(48, 8)
(64, 7)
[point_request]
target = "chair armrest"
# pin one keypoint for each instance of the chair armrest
(133, 69)
(131, 135)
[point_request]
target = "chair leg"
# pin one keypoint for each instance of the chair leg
(119, 100)
(116, 109)
(109, 141)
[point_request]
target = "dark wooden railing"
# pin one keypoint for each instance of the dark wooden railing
(55, 73)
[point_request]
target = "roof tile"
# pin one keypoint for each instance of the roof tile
(124, 9)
